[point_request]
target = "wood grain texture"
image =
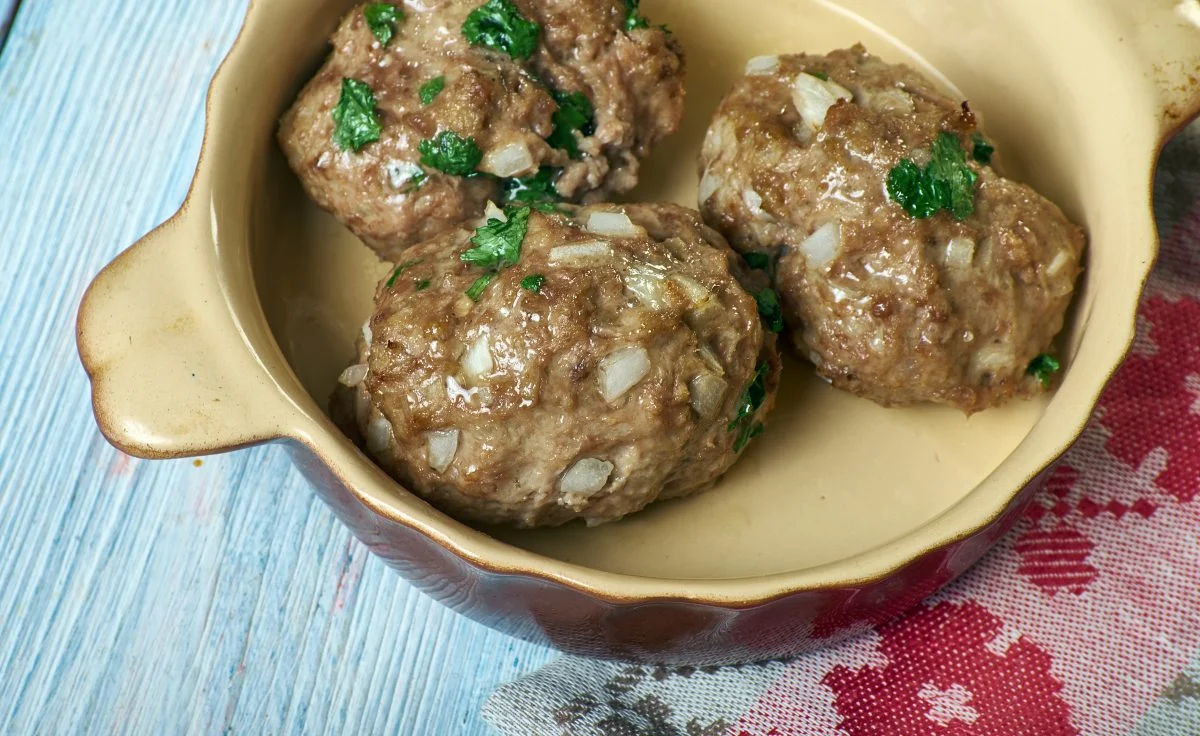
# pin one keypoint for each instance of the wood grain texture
(141, 597)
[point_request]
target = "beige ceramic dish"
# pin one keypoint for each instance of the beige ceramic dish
(228, 326)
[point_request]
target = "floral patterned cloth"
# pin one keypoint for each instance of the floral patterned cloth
(1084, 620)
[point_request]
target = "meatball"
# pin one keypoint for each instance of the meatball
(908, 269)
(469, 102)
(615, 361)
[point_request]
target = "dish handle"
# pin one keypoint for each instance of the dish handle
(172, 374)
(1166, 34)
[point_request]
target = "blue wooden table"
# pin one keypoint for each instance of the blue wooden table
(163, 598)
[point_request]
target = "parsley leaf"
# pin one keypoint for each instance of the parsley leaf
(770, 309)
(752, 398)
(633, 18)
(757, 261)
(475, 293)
(498, 243)
(402, 268)
(533, 283)
(1043, 368)
(416, 182)
(532, 189)
(449, 152)
(499, 25)
(382, 19)
(946, 183)
(423, 284)
(497, 246)
(431, 89)
(356, 122)
(575, 112)
(820, 75)
(982, 150)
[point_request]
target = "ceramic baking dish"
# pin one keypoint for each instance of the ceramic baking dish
(228, 326)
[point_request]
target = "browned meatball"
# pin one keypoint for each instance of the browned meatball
(618, 361)
(945, 298)
(583, 101)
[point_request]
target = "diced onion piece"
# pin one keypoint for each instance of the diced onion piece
(400, 173)
(379, 435)
(623, 370)
(493, 212)
(1060, 261)
(647, 284)
(441, 448)
(709, 184)
(762, 65)
(509, 160)
(477, 362)
(813, 97)
(960, 253)
(616, 224)
(578, 254)
(711, 360)
(707, 394)
(695, 292)
(993, 359)
(821, 247)
(753, 200)
(586, 477)
(891, 99)
(366, 332)
(353, 376)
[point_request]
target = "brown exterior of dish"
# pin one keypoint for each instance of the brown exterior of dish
(177, 335)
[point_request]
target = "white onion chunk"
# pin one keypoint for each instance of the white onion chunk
(442, 446)
(622, 370)
(586, 477)
(615, 224)
(821, 247)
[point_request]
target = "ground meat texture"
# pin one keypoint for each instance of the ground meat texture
(633, 79)
(614, 380)
(887, 306)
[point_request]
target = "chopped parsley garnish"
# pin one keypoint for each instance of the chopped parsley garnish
(499, 25)
(531, 189)
(946, 183)
(1043, 368)
(633, 17)
(575, 112)
(770, 309)
(431, 89)
(533, 283)
(422, 284)
(382, 19)
(416, 182)
(752, 398)
(982, 150)
(820, 75)
(401, 269)
(480, 285)
(355, 120)
(450, 152)
(757, 261)
(497, 246)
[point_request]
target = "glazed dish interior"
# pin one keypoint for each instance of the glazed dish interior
(835, 476)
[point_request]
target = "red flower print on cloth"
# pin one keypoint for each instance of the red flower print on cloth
(1056, 559)
(1155, 400)
(953, 670)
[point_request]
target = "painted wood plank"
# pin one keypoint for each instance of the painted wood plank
(145, 597)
